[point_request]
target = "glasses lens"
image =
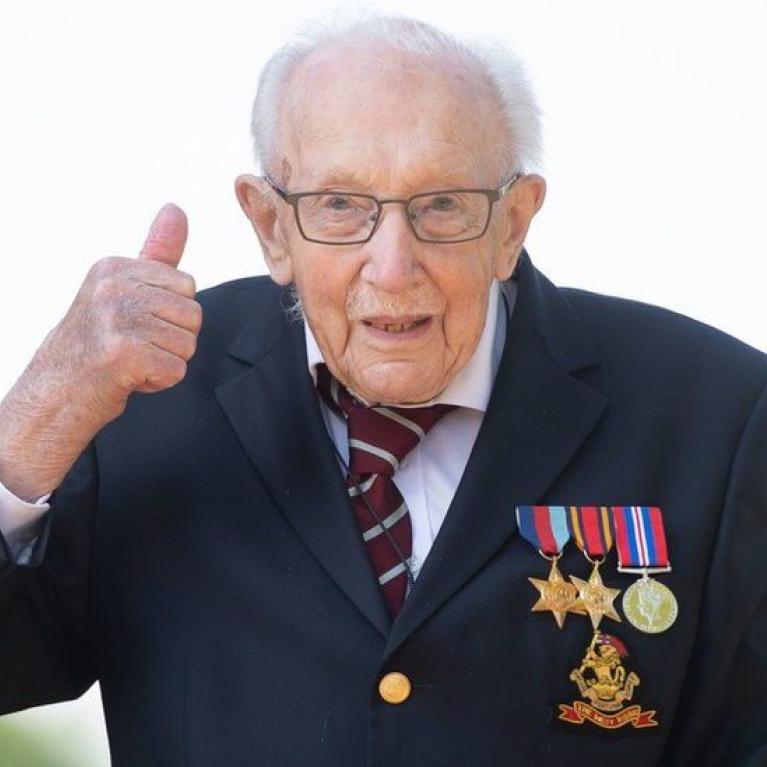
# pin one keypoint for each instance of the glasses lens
(334, 217)
(449, 216)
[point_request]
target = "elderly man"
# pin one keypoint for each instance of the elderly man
(320, 542)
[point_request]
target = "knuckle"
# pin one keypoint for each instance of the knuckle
(110, 291)
(100, 268)
(106, 266)
(163, 369)
(195, 316)
(190, 347)
(180, 342)
(179, 370)
(105, 288)
(187, 284)
(172, 371)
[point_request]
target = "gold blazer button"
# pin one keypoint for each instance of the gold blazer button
(394, 687)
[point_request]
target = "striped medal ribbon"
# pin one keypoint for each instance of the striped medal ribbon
(591, 529)
(640, 539)
(545, 528)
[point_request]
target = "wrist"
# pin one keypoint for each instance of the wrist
(43, 430)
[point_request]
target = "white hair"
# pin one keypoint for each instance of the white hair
(505, 74)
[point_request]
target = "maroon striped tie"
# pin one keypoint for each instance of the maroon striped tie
(379, 439)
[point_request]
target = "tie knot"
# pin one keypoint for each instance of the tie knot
(379, 437)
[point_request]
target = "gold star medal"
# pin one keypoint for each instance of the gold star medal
(592, 532)
(556, 594)
(596, 598)
(640, 538)
(545, 527)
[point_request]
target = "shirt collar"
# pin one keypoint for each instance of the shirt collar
(472, 386)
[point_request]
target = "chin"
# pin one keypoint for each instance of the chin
(396, 388)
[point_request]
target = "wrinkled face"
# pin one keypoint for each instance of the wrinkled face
(396, 319)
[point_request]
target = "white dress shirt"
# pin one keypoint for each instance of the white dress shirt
(427, 479)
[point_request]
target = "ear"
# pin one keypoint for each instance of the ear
(522, 202)
(258, 202)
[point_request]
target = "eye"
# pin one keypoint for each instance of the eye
(337, 202)
(442, 203)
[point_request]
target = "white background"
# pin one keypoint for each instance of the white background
(655, 128)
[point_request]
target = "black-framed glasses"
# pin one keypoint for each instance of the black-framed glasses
(442, 216)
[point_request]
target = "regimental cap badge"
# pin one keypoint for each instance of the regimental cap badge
(607, 685)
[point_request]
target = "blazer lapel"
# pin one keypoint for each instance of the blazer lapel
(537, 418)
(273, 408)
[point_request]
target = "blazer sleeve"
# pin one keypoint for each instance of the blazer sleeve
(45, 646)
(722, 717)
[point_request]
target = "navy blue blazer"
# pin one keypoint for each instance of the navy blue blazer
(201, 560)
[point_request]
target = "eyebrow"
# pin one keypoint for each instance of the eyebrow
(339, 176)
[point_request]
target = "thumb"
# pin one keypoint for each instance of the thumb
(167, 236)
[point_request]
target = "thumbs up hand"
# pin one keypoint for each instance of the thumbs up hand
(132, 327)
(134, 323)
(165, 245)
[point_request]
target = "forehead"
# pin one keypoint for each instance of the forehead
(389, 121)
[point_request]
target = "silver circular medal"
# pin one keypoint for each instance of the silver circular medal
(650, 606)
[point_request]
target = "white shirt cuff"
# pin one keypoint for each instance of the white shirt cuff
(21, 522)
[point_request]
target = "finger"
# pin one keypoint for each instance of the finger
(160, 275)
(172, 339)
(167, 236)
(176, 309)
(162, 370)
(149, 388)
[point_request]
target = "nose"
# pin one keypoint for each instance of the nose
(392, 255)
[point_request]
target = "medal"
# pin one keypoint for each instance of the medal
(592, 532)
(545, 527)
(605, 683)
(640, 540)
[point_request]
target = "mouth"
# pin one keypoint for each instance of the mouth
(397, 325)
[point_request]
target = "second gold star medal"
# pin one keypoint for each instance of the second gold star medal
(545, 527)
(591, 530)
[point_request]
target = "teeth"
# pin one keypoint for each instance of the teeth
(396, 327)
(400, 328)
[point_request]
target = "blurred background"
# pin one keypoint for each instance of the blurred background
(655, 118)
